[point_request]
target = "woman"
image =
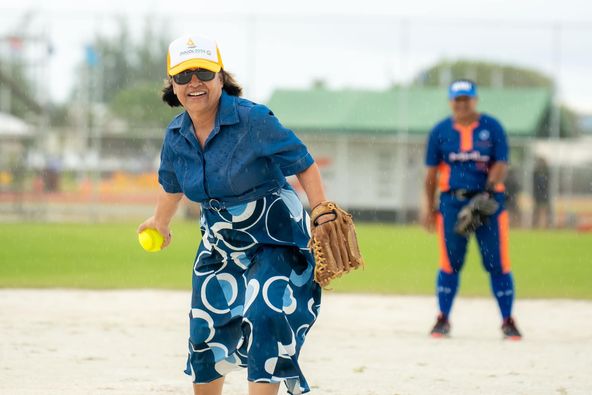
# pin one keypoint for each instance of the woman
(254, 298)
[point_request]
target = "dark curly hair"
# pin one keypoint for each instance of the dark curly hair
(229, 85)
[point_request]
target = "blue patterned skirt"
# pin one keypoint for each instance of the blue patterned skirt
(254, 298)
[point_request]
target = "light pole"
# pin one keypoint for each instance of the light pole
(555, 122)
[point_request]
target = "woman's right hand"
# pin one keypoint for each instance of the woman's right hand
(163, 229)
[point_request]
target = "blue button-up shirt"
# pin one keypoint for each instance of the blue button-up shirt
(247, 155)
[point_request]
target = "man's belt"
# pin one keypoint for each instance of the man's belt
(463, 194)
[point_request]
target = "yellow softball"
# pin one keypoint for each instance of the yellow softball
(150, 240)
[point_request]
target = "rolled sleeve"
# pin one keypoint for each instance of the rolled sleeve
(279, 143)
(166, 171)
(299, 166)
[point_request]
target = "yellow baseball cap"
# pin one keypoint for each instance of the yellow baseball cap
(193, 51)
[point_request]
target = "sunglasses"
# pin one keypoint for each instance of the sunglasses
(185, 77)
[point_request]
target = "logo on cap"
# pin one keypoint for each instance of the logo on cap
(461, 86)
(193, 51)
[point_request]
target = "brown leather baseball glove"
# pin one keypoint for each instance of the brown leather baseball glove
(333, 243)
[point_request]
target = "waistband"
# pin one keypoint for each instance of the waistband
(215, 204)
(224, 204)
(463, 194)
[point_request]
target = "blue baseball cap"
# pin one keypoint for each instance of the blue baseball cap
(462, 88)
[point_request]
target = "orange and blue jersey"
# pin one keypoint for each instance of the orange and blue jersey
(464, 154)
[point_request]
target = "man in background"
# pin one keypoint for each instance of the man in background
(467, 156)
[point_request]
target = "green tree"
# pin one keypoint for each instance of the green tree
(125, 62)
(129, 74)
(489, 74)
(14, 78)
(483, 73)
(115, 58)
(141, 105)
(24, 102)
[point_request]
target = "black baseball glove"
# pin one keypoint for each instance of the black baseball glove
(475, 213)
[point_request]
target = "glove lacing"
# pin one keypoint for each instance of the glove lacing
(320, 262)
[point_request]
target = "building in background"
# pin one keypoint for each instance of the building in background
(370, 144)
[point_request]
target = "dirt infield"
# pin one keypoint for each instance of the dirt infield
(133, 342)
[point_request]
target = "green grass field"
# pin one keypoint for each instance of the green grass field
(400, 260)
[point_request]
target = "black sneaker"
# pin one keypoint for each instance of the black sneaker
(509, 329)
(441, 328)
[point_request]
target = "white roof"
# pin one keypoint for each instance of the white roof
(568, 152)
(11, 126)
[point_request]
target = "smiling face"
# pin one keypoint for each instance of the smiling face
(199, 97)
(464, 107)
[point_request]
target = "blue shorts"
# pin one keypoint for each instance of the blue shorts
(254, 298)
(492, 237)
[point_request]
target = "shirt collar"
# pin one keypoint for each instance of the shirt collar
(177, 121)
(227, 110)
(227, 113)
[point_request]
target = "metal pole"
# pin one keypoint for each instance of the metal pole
(84, 128)
(402, 115)
(5, 93)
(555, 124)
(96, 133)
(44, 123)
